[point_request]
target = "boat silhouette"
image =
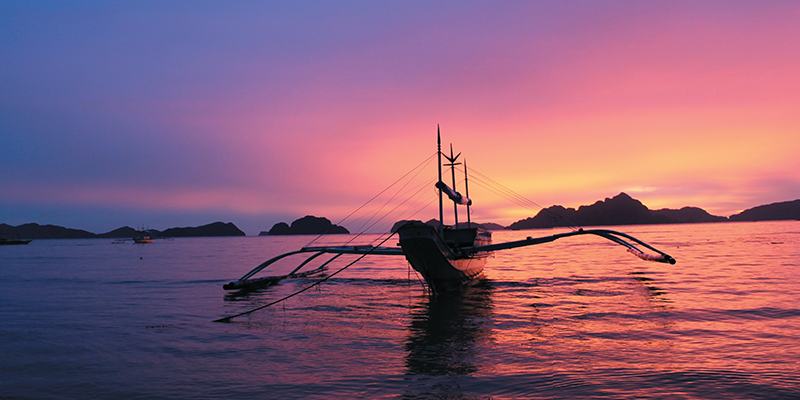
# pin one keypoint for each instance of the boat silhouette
(447, 257)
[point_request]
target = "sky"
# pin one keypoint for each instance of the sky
(182, 113)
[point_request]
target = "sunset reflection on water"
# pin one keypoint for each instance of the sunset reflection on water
(572, 319)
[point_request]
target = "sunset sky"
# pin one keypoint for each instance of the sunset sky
(184, 113)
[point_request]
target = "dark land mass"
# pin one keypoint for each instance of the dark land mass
(308, 225)
(435, 223)
(213, 229)
(770, 212)
(619, 210)
(124, 232)
(491, 226)
(688, 215)
(36, 231)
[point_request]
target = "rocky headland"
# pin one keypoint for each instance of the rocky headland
(625, 210)
(308, 225)
(36, 231)
(622, 209)
(618, 210)
(770, 212)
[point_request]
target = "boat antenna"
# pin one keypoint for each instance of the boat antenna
(439, 152)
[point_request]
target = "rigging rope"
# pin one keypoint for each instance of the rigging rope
(418, 191)
(361, 231)
(419, 170)
(510, 195)
(229, 318)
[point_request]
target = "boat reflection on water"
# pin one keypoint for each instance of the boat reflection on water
(446, 330)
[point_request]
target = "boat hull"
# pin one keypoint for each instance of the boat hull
(12, 242)
(440, 263)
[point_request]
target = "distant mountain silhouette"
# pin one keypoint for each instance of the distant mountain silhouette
(619, 210)
(770, 212)
(124, 232)
(308, 225)
(491, 226)
(689, 215)
(212, 229)
(36, 231)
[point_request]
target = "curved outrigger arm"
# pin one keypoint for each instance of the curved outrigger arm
(245, 282)
(620, 238)
(614, 236)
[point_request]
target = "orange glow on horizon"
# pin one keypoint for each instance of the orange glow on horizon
(675, 104)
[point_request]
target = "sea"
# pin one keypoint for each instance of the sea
(576, 318)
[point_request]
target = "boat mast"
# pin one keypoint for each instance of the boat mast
(439, 151)
(466, 190)
(452, 166)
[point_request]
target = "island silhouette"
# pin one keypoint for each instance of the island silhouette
(36, 231)
(308, 225)
(625, 210)
(770, 212)
(621, 209)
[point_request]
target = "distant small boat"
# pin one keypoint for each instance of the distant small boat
(139, 237)
(143, 238)
(4, 241)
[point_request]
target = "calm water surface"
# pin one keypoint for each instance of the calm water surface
(576, 318)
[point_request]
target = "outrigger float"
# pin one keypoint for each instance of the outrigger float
(447, 257)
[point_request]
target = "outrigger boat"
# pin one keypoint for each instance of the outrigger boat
(139, 237)
(446, 257)
(6, 241)
(143, 238)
